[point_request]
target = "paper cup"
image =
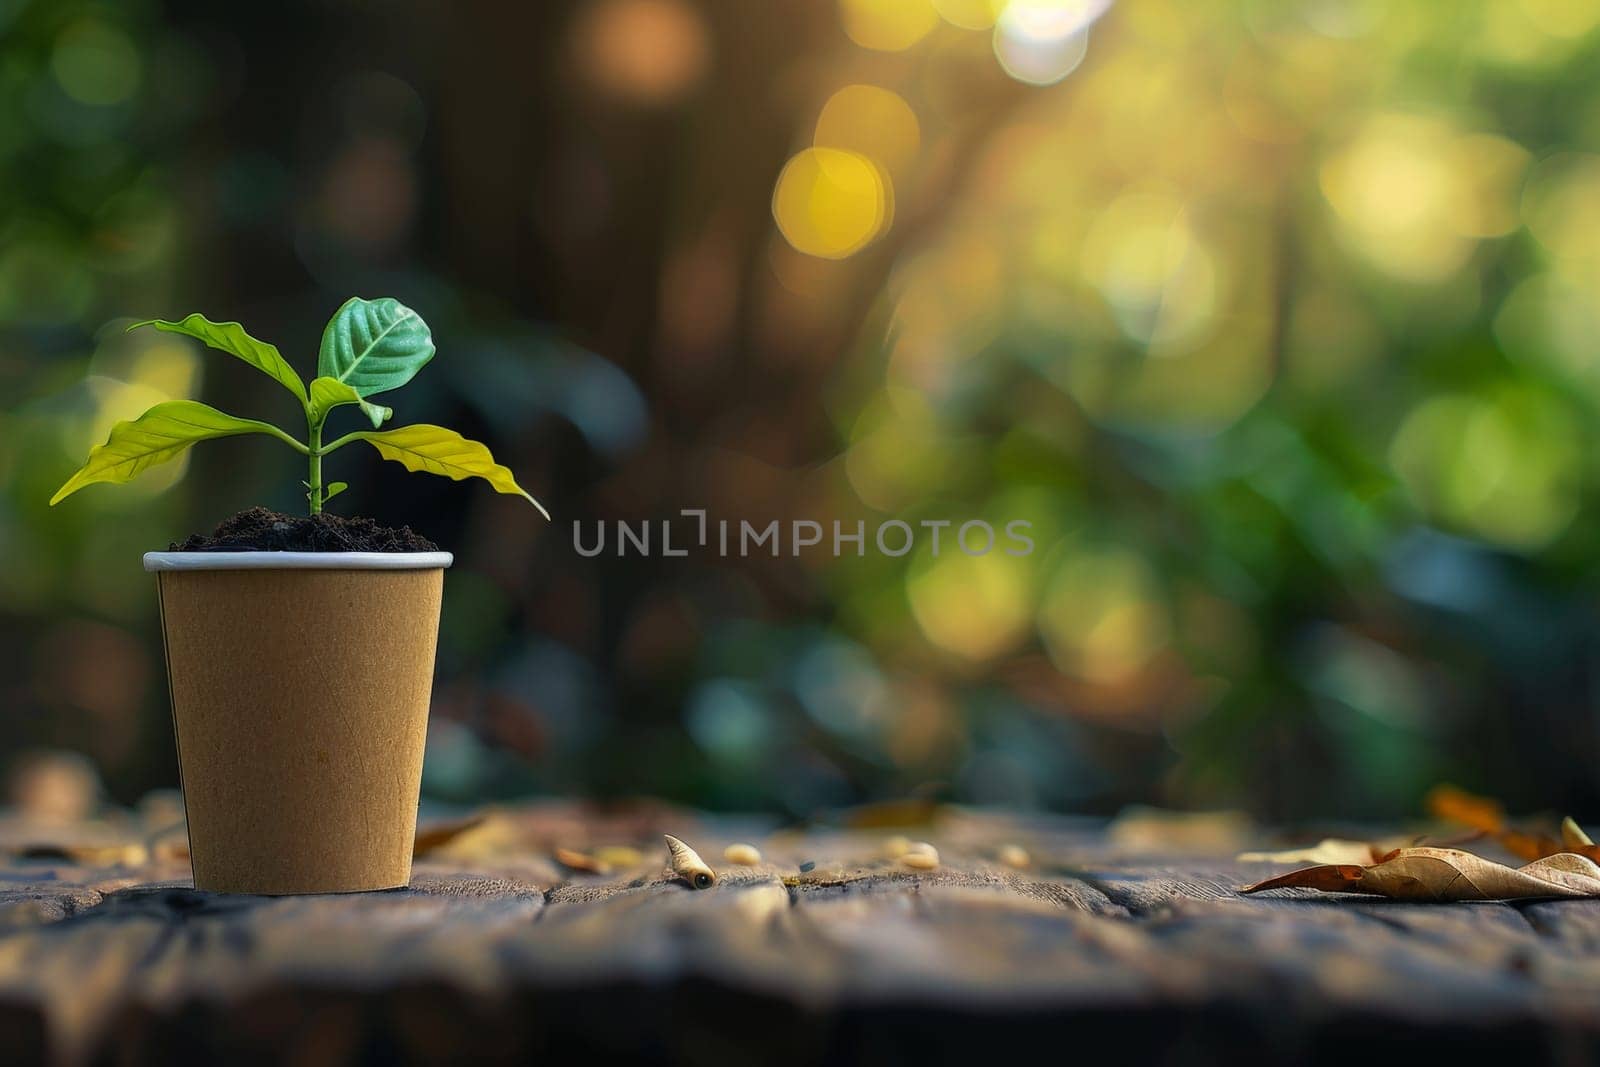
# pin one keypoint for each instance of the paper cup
(300, 684)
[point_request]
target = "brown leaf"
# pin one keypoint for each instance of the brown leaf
(126, 854)
(437, 835)
(1528, 846)
(582, 862)
(1487, 816)
(171, 849)
(1591, 851)
(1447, 874)
(1328, 877)
(1330, 850)
(615, 856)
(1457, 805)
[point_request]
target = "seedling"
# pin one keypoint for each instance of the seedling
(369, 347)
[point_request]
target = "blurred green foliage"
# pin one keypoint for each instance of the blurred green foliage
(1276, 320)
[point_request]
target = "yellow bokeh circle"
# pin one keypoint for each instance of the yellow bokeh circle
(887, 25)
(831, 203)
(970, 14)
(873, 121)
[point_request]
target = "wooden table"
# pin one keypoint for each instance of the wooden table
(1104, 944)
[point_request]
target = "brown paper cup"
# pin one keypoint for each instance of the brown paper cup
(300, 703)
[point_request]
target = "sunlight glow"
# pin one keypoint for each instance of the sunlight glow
(831, 203)
(1042, 41)
(887, 25)
(872, 121)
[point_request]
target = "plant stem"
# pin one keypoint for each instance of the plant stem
(268, 428)
(357, 435)
(314, 491)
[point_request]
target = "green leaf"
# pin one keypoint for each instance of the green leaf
(329, 491)
(329, 393)
(230, 337)
(437, 450)
(160, 434)
(374, 345)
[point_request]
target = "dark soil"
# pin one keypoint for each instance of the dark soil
(260, 530)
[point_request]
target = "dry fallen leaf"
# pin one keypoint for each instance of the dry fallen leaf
(1457, 805)
(493, 836)
(1447, 874)
(1328, 850)
(582, 862)
(1487, 816)
(124, 854)
(619, 856)
(438, 834)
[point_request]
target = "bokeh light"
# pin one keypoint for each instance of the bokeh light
(970, 14)
(1040, 61)
(1042, 41)
(887, 25)
(1414, 194)
(1504, 466)
(831, 203)
(1561, 207)
(873, 122)
(898, 453)
(976, 607)
(96, 64)
(642, 51)
(1145, 259)
(1102, 617)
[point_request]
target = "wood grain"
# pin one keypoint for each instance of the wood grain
(829, 949)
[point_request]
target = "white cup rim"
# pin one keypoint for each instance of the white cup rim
(297, 561)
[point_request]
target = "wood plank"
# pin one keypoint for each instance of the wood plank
(498, 950)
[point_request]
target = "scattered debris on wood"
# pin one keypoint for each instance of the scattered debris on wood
(574, 860)
(742, 854)
(1014, 856)
(687, 864)
(921, 856)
